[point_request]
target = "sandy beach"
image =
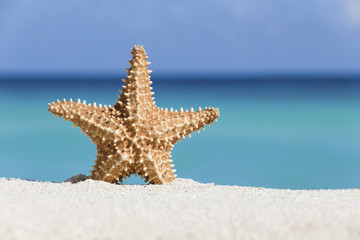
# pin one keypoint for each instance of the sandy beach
(183, 209)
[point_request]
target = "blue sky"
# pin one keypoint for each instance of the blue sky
(234, 36)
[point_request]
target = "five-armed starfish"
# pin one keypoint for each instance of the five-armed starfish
(134, 136)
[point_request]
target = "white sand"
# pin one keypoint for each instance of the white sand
(182, 210)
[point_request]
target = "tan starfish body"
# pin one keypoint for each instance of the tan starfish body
(133, 136)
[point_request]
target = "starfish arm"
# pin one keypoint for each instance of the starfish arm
(176, 125)
(112, 165)
(155, 165)
(100, 169)
(136, 100)
(98, 122)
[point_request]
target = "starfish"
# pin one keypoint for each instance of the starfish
(133, 136)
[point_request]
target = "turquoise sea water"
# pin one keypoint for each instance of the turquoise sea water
(288, 132)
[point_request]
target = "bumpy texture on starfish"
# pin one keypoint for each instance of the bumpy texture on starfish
(134, 136)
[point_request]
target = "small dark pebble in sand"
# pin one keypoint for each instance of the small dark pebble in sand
(77, 178)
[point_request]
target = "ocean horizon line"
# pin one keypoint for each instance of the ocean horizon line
(325, 80)
(180, 75)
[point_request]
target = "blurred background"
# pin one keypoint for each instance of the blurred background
(285, 75)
